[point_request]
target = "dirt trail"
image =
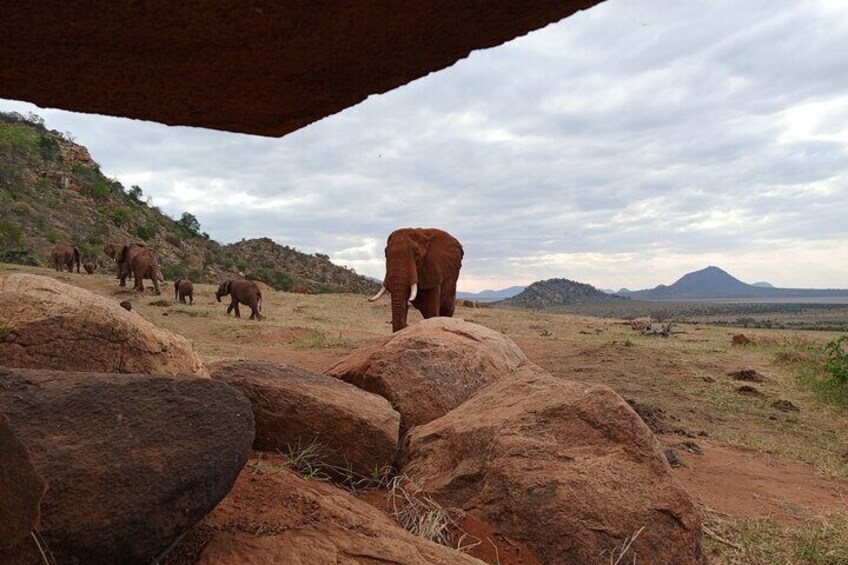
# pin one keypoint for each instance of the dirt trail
(744, 483)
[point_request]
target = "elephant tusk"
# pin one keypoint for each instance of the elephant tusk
(379, 294)
(414, 292)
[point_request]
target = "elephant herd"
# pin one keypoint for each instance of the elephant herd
(139, 260)
(422, 269)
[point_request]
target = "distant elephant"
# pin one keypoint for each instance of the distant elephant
(66, 256)
(183, 288)
(113, 250)
(141, 262)
(89, 267)
(244, 292)
(422, 267)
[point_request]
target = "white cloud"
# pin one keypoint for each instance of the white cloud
(624, 146)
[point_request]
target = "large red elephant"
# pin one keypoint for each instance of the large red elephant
(422, 267)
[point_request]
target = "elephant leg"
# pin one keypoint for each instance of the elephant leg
(448, 302)
(236, 304)
(429, 303)
(156, 285)
(231, 306)
(254, 315)
(190, 300)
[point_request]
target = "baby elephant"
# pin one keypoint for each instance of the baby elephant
(242, 291)
(183, 288)
(89, 267)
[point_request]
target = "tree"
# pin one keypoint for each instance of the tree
(189, 222)
(135, 192)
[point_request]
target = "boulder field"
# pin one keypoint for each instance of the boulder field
(132, 462)
(47, 324)
(295, 408)
(568, 469)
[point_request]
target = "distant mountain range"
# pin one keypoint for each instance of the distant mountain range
(552, 293)
(713, 283)
(491, 295)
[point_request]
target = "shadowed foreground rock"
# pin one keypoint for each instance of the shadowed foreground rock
(295, 407)
(567, 468)
(274, 516)
(431, 367)
(21, 490)
(131, 461)
(51, 325)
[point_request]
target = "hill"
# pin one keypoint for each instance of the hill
(53, 192)
(714, 283)
(491, 295)
(553, 293)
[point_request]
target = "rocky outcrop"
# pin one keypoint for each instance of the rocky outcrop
(431, 367)
(21, 489)
(566, 468)
(132, 461)
(295, 407)
(274, 516)
(46, 324)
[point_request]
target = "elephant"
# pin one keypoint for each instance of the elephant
(66, 256)
(141, 262)
(89, 267)
(183, 288)
(422, 267)
(242, 291)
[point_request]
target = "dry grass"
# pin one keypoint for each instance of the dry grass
(764, 542)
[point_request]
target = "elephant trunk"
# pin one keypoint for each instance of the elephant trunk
(399, 285)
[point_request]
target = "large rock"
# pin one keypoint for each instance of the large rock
(21, 489)
(46, 324)
(274, 516)
(431, 367)
(295, 407)
(569, 469)
(132, 461)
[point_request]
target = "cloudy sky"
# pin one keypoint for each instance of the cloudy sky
(624, 146)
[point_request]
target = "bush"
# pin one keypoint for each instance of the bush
(276, 279)
(11, 233)
(837, 359)
(135, 193)
(49, 148)
(146, 231)
(189, 223)
(118, 216)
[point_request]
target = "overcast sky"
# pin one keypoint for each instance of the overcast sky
(623, 147)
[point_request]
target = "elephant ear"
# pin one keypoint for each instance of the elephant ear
(442, 260)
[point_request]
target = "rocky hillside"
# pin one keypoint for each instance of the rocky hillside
(553, 293)
(53, 192)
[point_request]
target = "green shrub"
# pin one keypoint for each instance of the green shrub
(18, 137)
(11, 233)
(276, 279)
(118, 216)
(93, 181)
(837, 359)
(146, 231)
(49, 148)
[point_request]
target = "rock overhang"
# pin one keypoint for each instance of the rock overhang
(251, 67)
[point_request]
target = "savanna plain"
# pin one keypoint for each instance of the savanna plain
(766, 461)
